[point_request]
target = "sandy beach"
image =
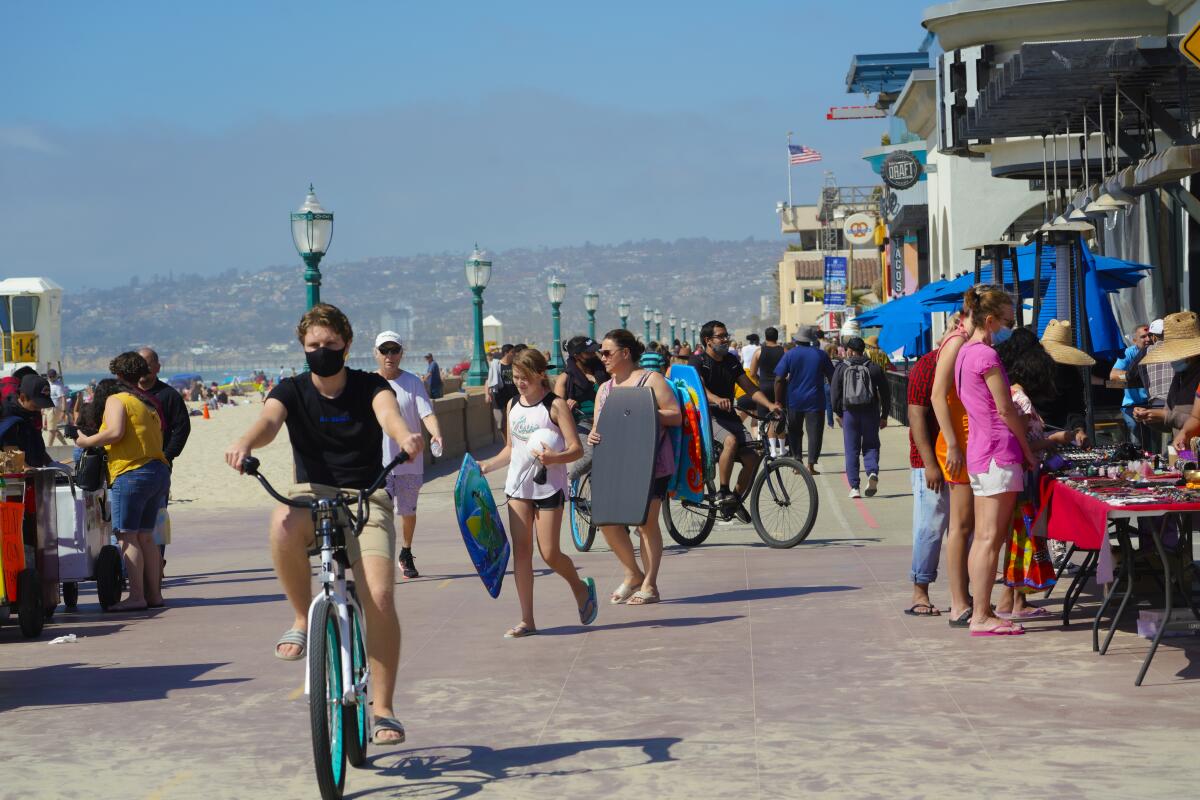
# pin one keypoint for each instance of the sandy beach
(201, 478)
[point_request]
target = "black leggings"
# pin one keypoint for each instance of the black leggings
(797, 422)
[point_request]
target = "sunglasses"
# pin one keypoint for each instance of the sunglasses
(390, 351)
(607, 354)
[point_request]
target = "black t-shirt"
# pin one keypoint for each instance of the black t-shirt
(719, 377)
(337, 442)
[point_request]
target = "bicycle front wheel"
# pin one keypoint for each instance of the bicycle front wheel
(783, 503)
(583, 532)
(325, 699)
(356, 722)
(688, 523)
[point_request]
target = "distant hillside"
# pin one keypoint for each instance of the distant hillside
(249, 318)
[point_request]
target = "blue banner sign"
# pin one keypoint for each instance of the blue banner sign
(835, 283)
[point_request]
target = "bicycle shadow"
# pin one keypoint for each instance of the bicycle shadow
(457, 771)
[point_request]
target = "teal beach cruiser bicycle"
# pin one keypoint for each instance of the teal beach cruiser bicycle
(337, 679)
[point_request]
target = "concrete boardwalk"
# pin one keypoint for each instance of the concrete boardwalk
(763, 673)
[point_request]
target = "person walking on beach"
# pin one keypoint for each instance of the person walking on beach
(432, 377)
(57, 413)
(861, 404)
(405, 481)
(997, 450)
(176, 418)
(578, 384)
(931, 496)
(541, 441)
(622, 353)
(504, 389)
(138, 474)
(800, 378)
(336, 419)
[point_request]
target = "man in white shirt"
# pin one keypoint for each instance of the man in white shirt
(404, 484)
(56, 415)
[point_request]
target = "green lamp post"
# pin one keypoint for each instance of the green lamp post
(591, 301)
(312, 231)
(683, 332)
(647, 316)
(623, 313)
(671, 321)
(479, 272)
(658, 326)
(556, 290)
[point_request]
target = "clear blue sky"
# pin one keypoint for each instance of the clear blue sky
(138, 138)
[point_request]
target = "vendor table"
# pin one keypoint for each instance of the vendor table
(1071, 515)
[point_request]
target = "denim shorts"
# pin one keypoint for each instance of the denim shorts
(138, 496)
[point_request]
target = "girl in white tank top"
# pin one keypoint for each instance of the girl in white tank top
(541, 441)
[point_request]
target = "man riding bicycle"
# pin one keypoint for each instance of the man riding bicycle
(336, 418)
(721, 371)
(578, 384)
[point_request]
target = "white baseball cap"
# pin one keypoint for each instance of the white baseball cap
(388, 336)
(1156, 327)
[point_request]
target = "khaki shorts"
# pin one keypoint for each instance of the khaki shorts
(378, 537)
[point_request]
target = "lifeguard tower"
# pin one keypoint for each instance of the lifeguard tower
(30, 323)
(493, 333)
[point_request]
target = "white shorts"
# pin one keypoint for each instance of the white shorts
(998, 479)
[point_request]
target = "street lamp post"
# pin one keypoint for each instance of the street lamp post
(591, 301)
(647, 315)
(556, 290)
(683, 332)
(479, 272)
(312, 231)
(623, 313)
(671, 322)
(658, 326)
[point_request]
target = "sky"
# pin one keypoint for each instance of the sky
(141, 138)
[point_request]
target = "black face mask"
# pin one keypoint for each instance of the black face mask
(325, 361)
(592, 362)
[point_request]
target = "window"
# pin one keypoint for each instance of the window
(24, 312)
(810, 296)
(793, 297)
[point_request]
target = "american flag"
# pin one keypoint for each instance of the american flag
(799, 154)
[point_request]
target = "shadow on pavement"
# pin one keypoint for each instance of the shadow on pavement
(463, 770)
(856, 541)
(666, 622)
(81, 684)
(238, 600)
(766, 593)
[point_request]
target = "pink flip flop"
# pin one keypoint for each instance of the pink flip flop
(1029, 613)
(1001, 630)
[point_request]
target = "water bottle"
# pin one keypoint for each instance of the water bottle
(435, 447)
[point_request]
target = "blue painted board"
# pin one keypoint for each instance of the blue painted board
(480, 525)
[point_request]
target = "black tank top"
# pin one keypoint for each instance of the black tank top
(769, 357)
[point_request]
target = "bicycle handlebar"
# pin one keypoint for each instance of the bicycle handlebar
(250, 466)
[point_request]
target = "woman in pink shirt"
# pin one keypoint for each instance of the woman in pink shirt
(997, 451)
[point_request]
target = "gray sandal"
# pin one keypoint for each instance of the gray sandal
(386, 724)
(296, 637)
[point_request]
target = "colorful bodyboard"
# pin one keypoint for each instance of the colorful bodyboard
(688, 481)
(480, 525)
(691, 378)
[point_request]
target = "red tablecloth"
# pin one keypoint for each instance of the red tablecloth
(1072, 516)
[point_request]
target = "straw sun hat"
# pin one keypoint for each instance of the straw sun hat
(1057, 340)
(1181, 339)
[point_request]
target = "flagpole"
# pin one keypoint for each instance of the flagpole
(789, 168)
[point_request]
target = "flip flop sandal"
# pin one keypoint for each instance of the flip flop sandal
(1029, 613)
(1001, 630)
(296, 637)
(519, 632)
(386, 724)
(641, 598)
(963, 620)
(929, 610)
(590, 608)
(623, 593)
